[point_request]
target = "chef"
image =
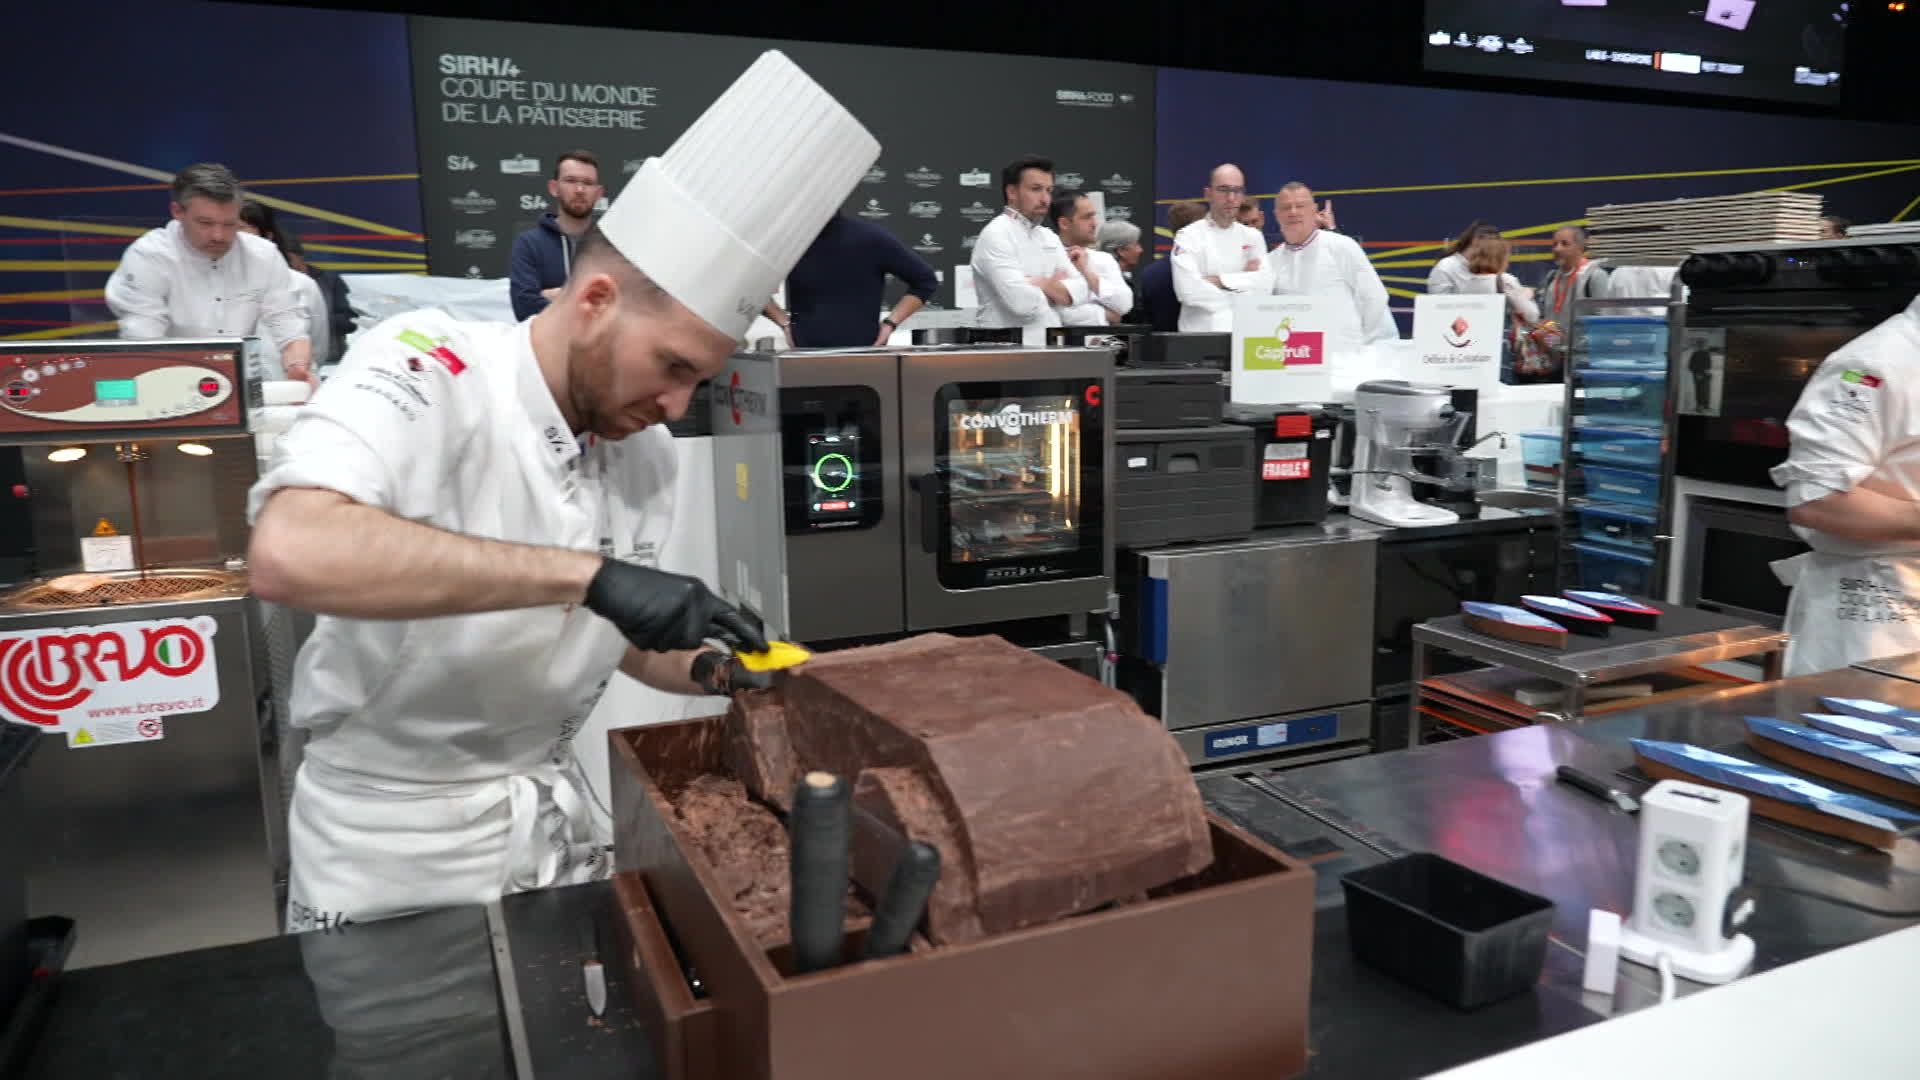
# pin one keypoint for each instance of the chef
(1077, 222)
(202, 276)
(1853, 493)
(1312, 261)
(1216, 259)
(477, 511)
(1021, 272)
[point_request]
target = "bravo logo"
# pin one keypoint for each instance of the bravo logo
(58, 679)
(1287, 348)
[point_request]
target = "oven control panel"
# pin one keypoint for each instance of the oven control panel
(830, 457)
(108, 389)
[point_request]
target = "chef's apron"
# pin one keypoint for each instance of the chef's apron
(1849, 608)
(365, 845)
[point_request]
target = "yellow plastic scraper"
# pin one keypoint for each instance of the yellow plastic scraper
(779, 656)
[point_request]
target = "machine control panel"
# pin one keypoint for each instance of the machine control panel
(833, 476)
(830, 455)
(96, 390)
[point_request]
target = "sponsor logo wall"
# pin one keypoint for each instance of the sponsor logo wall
(497, 103)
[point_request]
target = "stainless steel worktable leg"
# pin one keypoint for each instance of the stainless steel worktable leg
(1413, 705)
(1576, 709)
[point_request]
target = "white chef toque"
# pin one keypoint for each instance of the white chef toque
(720, 219)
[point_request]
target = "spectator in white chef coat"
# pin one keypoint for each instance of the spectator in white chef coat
(202, 276)
(1216, 259)
(258, 218)
(1450, 274)
(1314, 261)
(1077, 222)
(1021, 272)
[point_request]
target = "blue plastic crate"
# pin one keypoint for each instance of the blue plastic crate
(1616, 446)
(1612, 525)
(1540, 453)
(1635, 338)
(1625, 572)
(1629, 486)
(1637, 398)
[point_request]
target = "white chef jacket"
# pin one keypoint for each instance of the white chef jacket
(1114, 295)
(1857, 423)
(1203, 250)
(319, 330)
(1449, 275)
(439, 768)
(1334, 268)
(319, 324)
(164, 287)
(1010, 250)
(1519, 304)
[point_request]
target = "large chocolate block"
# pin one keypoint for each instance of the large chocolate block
(758, 751)
(892, 807)
(1059, 794)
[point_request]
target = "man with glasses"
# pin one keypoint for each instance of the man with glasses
(1217, 259)
(543, 255)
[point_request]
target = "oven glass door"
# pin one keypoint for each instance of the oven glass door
(1019, 465)
(1741, 382)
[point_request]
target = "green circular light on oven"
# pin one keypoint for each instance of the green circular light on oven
(833, 473)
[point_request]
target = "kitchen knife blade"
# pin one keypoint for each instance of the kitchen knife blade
(819, 823)
(905, 902)
(1597, 788)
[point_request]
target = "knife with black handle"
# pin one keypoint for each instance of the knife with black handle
(819, 827)
(905, 901)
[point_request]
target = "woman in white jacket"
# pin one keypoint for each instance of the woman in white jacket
(1450, 274)
(1487, 260)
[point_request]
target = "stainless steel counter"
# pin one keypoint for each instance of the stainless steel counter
(1492, 803)
(1898, 667)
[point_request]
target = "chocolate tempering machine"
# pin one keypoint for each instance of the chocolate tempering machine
(157, 803)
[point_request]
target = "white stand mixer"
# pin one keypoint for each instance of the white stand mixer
(1394, 420)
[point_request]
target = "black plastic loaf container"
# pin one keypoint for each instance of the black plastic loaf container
(1452, 932)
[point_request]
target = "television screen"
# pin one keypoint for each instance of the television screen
(1780, 50)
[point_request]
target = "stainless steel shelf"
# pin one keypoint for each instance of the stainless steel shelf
(1688, 637)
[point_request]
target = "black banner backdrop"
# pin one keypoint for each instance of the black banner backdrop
(497, 102)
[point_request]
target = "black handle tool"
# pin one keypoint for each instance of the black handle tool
(900, 909)
(820, 828)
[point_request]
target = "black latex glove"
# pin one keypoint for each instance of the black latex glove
(662, 612)
(724, 676)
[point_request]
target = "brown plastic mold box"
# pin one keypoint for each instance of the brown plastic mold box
(1206, 979)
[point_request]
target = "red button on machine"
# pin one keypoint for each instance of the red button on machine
(1293, 426)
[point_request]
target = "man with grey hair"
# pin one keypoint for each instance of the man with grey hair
(201, 276)
(1573, 274)
(1121, 239)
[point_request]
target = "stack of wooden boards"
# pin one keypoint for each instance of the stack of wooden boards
(1867, 746)
(1665, 233)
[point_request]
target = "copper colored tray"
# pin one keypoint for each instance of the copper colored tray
(126, 587)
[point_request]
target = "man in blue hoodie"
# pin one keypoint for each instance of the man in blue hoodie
(543, 254)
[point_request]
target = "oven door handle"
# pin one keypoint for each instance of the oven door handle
(927, 487)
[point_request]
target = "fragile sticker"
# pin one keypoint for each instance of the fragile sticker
(1286, 470)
